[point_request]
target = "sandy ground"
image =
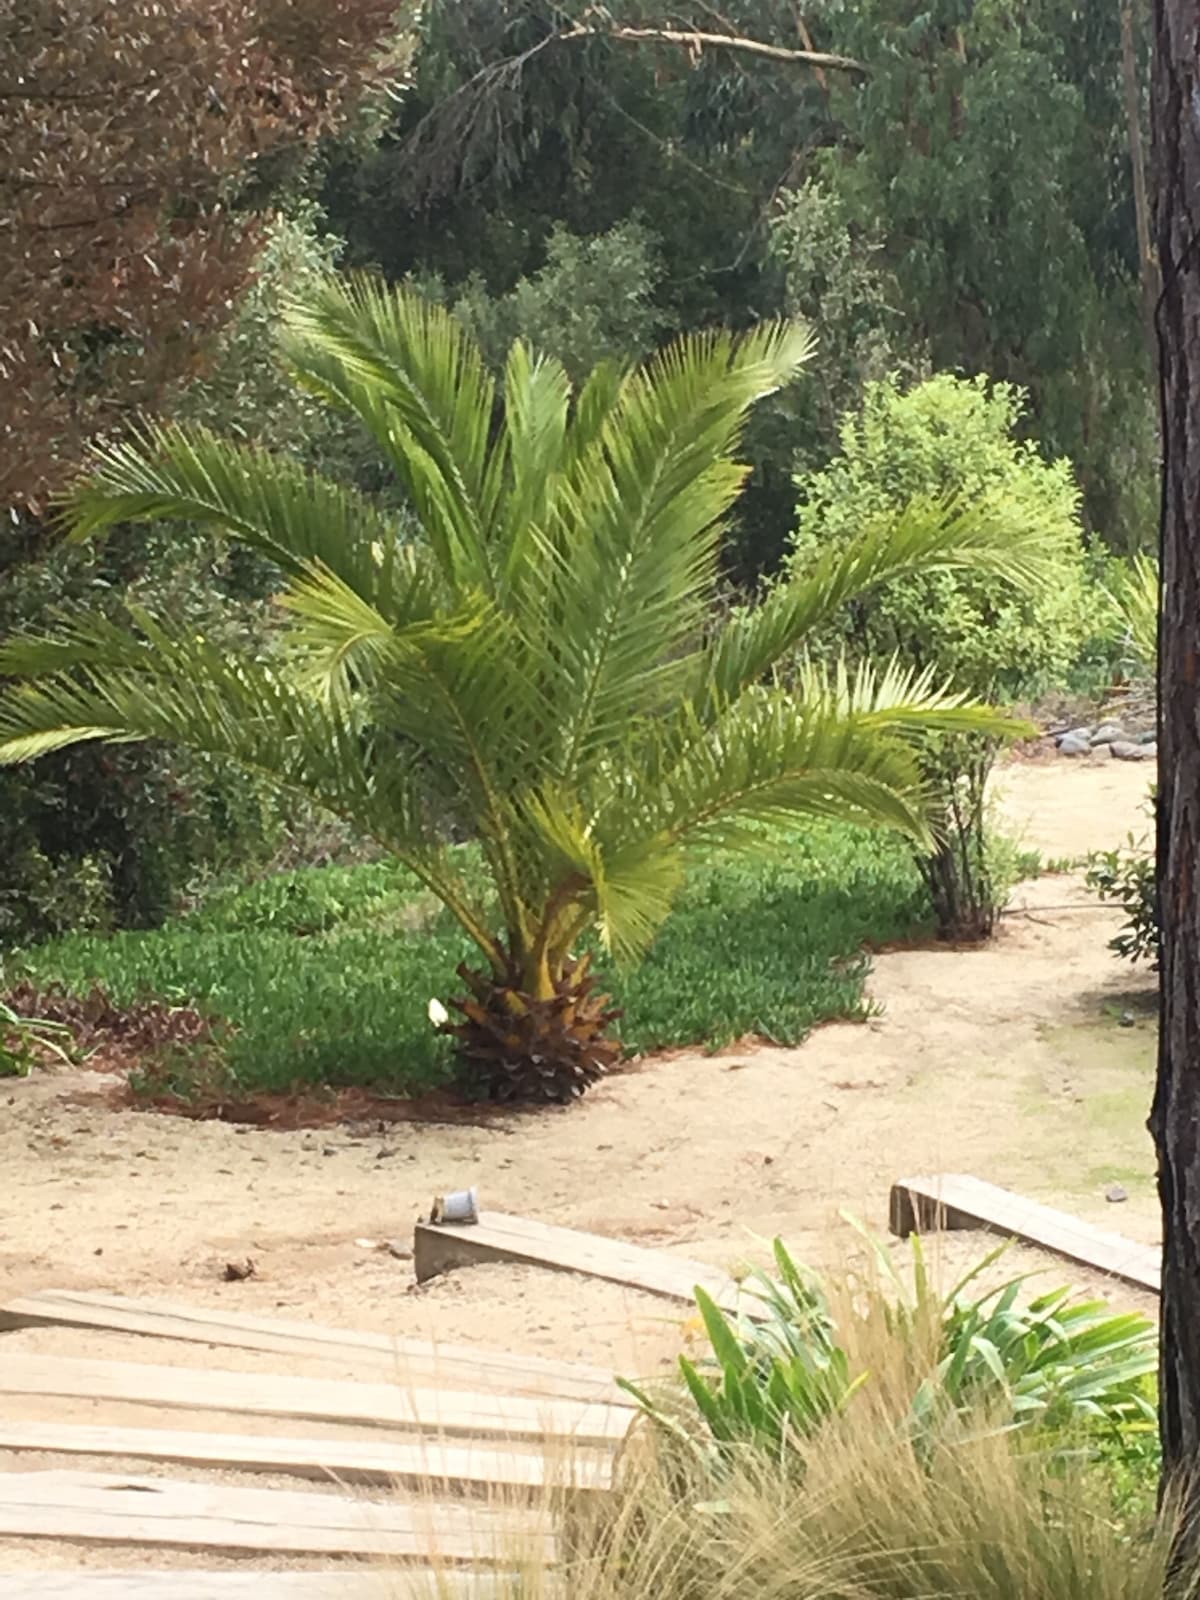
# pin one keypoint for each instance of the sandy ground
(1016, 1063)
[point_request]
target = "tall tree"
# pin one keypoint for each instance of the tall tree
(1175, 1120)
(935, 160)
(130, 135)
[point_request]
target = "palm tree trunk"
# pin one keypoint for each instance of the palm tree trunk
(1175, 1119)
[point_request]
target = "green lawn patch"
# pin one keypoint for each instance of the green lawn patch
(327, 973)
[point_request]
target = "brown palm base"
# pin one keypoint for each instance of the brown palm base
(515, 1048)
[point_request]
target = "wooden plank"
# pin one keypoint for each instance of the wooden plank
(447, 1411)
(468, 1466)
(98, 1508)
(440, 1247)
(417, 1359)
(954, 1200)
(345, 1583)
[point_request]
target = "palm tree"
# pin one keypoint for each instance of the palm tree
(536, 666)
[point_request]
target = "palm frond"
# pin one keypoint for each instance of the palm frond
(640, 523)
(413, 374)
(900, 700)
(267, 502)
(97, 680)
(626, 894)
(345, 644)
(926, 536)
(774, 757)
(526, 468)
(1135, 606)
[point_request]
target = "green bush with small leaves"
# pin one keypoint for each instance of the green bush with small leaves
(960, 440)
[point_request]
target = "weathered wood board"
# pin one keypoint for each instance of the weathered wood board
(345, 1583)
(473, 1466)
(406, 1359)
(436, 1411)
(440, 1247)
(100, 1508)
(954, 1201)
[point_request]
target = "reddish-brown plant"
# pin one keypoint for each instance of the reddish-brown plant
(129, 137)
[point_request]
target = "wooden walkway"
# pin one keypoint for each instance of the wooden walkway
(445, 1468)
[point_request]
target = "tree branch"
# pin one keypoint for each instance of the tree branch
(723, 41)
(463, 124)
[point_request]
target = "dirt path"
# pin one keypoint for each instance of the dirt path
(1007, 1062)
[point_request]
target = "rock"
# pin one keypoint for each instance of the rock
(1115, 1194)
(1108, 733)
(1147, 736)
(1074, 744)
(1101, 752)
(1074, 733)
(1127, 1020)
(1124, 750)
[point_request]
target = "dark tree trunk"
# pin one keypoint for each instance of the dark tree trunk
(1175, 1120)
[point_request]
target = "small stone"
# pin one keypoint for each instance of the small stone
(329, 1150)
(1127, 1019)
(1102, 752)
(1114, 1194)
(1108, 733)
(1074, 744)
(401, 1251)
(1125, 750)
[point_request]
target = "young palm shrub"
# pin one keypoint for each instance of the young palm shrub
(528, 658)
(789, 1362)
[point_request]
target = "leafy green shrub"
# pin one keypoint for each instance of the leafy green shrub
(782, 1367)
(956, 439)
(1127, 878)
(592, 301)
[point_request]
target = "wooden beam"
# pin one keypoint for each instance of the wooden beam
(98, 1508)
(448, 1411)
(954, 1201)
(343, 1583)
(474, 1466)
(440, 1247)
(404, 1359)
